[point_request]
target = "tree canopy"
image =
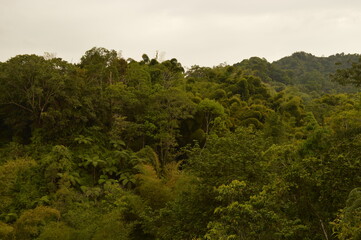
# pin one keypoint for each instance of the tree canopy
(114, 148)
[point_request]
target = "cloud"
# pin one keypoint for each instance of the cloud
(194, 31)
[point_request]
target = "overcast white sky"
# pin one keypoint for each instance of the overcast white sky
(202, 32)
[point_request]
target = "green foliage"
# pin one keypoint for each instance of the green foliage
(151, 188)
(103, 66)
(311, 74)
(38, 92)
(9, 174)
(6, 231)
(235, 156)
(144, 150)
(350, 75)
(57, 231)
(31, 221)
(58, 168)
(242, 217)
(210, 109)
(348, 223)
(112, 227)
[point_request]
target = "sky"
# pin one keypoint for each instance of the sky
(196, 32)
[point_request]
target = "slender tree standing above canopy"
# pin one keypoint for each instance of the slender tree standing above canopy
(210, 109)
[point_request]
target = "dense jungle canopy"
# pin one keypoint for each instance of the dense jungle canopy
(113, 148)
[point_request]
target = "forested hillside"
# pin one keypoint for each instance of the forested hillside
(113, 148)
(307, 73)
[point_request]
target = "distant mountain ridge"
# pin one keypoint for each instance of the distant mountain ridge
(309, 73)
